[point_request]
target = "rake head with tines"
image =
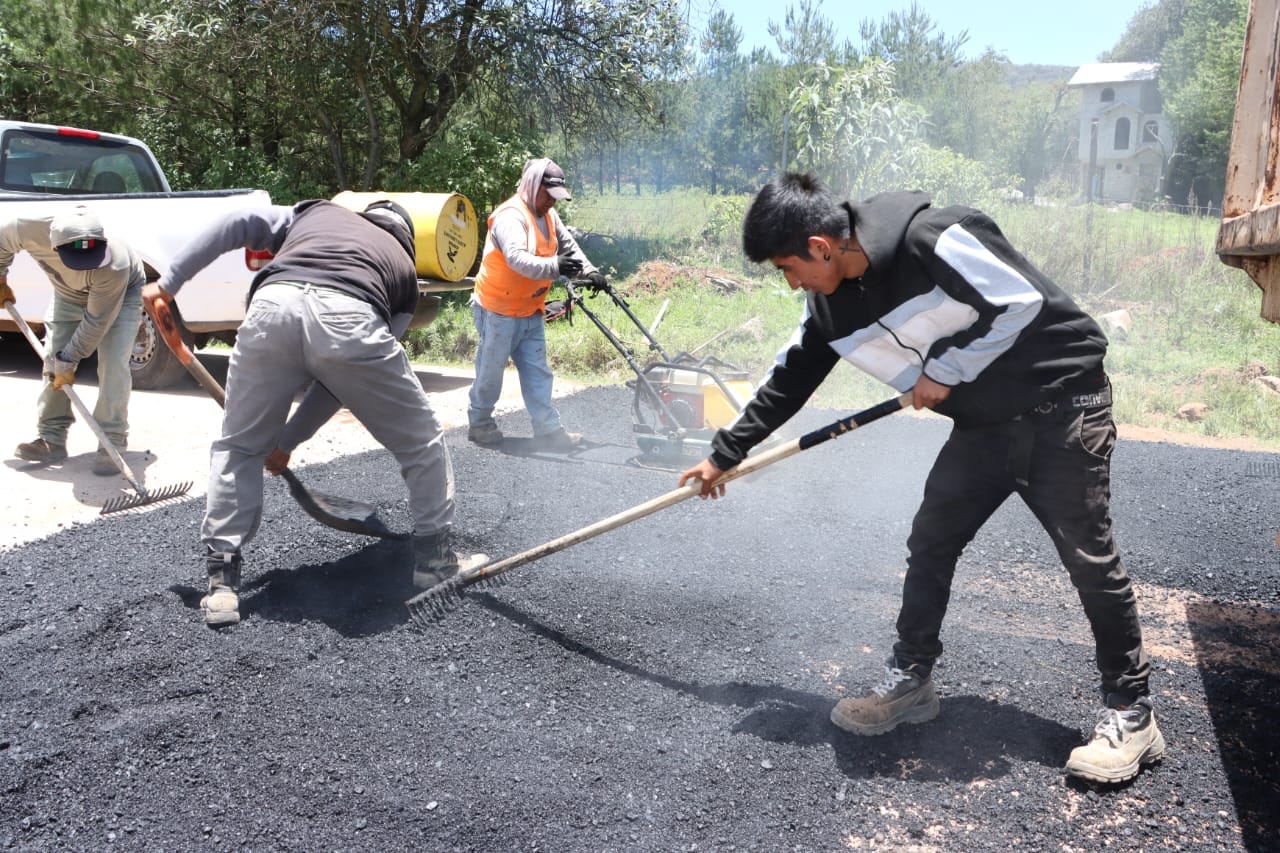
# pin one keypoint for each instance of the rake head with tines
(439, 600)
(143, 497)
(434, 604)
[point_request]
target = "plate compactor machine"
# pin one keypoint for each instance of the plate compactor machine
(680, 400)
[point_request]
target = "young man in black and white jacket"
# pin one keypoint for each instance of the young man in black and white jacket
(937, 302)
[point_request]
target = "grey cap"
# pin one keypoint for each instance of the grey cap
(79, 238)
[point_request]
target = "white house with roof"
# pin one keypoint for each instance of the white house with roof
(1125, 138)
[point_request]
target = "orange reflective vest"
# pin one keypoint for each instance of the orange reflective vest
(501, 289)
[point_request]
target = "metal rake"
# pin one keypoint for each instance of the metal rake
(143, 497)
(438, 601)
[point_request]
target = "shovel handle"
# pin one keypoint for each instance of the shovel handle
(167, 325)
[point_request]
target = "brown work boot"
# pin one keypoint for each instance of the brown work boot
(435, 561)
(103, 464)
(485, 435)
(903, 697)
(221, 606)
(1122, 742)
(559, 441)
(41, 450)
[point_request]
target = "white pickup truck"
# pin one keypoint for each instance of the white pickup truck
(44, 168)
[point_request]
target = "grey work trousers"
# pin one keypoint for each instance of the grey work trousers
(293, 333)
(54, 413)
(1059, 463)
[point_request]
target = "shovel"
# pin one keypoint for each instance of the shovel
(435, 603)
(336, 512)
(143, 497)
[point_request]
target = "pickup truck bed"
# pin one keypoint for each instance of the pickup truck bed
(45, 169)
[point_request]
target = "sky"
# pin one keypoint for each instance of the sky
(1026, 32)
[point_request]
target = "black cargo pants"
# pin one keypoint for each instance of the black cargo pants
(1058, 460)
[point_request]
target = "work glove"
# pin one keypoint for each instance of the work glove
(568, 265)
(595, 281)
(6, 293)
(59, 371)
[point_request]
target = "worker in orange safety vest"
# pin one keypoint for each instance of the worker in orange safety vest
(526, 249)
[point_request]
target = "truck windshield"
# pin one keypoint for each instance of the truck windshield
(38, 161)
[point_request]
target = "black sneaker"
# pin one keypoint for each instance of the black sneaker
(41, 450)
(1122, 742)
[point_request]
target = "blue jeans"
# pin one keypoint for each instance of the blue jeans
(1060, 465)
(54, 415)
(524, 341)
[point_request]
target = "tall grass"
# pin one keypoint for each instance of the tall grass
(1194, 337)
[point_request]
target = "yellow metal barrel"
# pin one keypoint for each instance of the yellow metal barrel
(446, 234)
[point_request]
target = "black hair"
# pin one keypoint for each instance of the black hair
(786, 213)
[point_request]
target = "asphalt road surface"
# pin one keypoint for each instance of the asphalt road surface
(664, 686)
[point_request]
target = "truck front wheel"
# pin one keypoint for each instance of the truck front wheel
(152, 363)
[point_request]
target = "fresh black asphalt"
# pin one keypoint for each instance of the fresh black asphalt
(664, 686)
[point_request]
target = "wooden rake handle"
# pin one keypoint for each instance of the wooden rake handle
(689, 490)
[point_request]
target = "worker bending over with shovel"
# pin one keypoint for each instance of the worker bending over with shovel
(937, 302)
(330, 307)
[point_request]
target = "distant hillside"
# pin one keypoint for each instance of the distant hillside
(1021, 76)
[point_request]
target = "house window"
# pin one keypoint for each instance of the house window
(1122, 135)
(1108, 95)
(1151, 132)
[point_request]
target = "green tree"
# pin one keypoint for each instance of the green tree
(806, 37)
(720, 90)
(365, 86)
(1034, 132)
(1149, 30)
(47, 75)
(966, 103)
(1199, 75)
(922, 56)
(852, 129)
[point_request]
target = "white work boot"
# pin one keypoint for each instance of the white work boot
(904, 696)
(1124, 740)
(221, 606)
(435, 561)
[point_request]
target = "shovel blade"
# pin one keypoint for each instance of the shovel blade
(339, 513)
